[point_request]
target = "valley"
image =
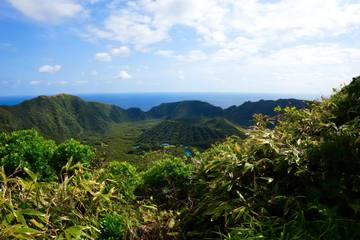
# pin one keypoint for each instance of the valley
(114, 131)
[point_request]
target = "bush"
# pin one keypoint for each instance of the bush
(168, 181)
(26, 148)
(123, 176)
(74, 151)
(299, 180)
(112, 227)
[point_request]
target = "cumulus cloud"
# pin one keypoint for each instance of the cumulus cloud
(219, 22)
(311, 55)
(122, 51)
(166, 53)
(143, 23)
(49, 68)
(103, 57)
(48, 11)
(191, 56)
(123, 74)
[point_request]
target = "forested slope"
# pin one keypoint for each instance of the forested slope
(63, 116)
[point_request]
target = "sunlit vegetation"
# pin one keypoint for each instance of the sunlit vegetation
(200, 133)
(297, 180)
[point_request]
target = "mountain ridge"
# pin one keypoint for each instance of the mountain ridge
(62, 116)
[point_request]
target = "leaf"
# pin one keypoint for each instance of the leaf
(248, 167)
(33, 176)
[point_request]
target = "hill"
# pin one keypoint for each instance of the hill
(185, 109)
(243, 114)
(63, 116)
(198, 132)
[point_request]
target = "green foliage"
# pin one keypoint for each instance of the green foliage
(66, 209)
(297, 181)
(185, 109)
(74, 151)
(112, 227)
(168, 181)
(243, 114)
(63, 116)
(195, 132)
(77, 207)
(123, 176)
(26, 148)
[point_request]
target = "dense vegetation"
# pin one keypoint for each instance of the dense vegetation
(298, 180)
(185, 109)
(195, 132)
(64, 116)
(243, 114)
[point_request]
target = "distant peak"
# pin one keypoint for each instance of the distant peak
(62, 95)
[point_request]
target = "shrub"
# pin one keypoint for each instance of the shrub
(26, 148)
(74, 151)
(112, 227)
(168, 181)
(123, 176)
(299, 180)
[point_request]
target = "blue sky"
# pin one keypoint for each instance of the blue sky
(111, 46)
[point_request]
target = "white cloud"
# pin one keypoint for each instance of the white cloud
(223, 22)
(49, 69)
(311, 56)
(122, 51)
(195, 55)
(191, 56)
(143, 23)
(166, 53)
(94, 73)
(103, 57)
(48, 10)
(123, 74)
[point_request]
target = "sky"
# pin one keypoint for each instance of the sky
(116, 46)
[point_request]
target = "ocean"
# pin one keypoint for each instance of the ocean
(145, 101)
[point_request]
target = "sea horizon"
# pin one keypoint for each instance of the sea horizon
(146, 101)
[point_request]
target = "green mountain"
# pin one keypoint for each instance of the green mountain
(63, 116)
(198, 132)
(185, 109)
(243, 114)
